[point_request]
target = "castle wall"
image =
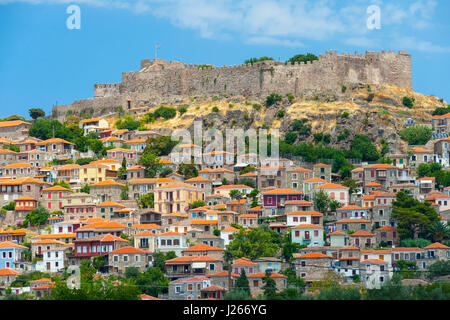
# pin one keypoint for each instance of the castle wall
(161, 81)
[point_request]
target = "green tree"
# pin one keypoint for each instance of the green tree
(160, 258)
(165, 112)
(124, 192)
(10, 206)
(439, 231)
(407, 269)
(242, 283)
(161, 146)
(150, 162)
(188, 170)
(147, 201)
(412, 216)
(127, 123)
(153, 282)
(362, 146)
(122, 172)
(36, 113)
(235, 194)
(84, 161)
(322, 201)
(254, 244)
(255, 60)
(438, 269)
(197, 204)
(86, 189)
(165, 171)
(299, 58)
(62, 183)
(36, 217)
(416, 135)
(270, 287)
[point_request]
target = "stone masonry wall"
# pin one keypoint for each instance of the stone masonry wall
(161, 81)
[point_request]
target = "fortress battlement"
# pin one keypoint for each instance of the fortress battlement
(159, 81)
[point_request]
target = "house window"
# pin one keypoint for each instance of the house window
(255, 283)
(125, 258)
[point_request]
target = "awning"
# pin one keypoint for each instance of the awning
(198, 265)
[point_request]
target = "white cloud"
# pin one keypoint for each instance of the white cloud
(280, 22)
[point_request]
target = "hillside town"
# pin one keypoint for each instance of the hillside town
(114, 204)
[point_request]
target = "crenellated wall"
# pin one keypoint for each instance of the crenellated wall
(160, 81)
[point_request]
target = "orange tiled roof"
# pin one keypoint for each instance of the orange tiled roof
(421, 150)
(437, 245)
(262, 275)
(7, 271)
(353, 220)
(282, 191)
(129, 249)
(298, 213)
(230, 229)
(8, 244)
(233, 186)
(107, 183)
(315, 179)
(307, 226)
(202, 247)
(244, 262)
(57, 188)
(362, 233)
(312, 255)
(195, 222)
(12, 123)
(331, 185)
(351, 207)
(53, 140)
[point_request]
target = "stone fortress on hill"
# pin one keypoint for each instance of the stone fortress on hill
(160, 81)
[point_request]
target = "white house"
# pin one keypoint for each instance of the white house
(226, 234)
(375, 273)
(171, 241)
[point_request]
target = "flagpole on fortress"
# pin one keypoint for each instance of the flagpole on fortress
(157, 46)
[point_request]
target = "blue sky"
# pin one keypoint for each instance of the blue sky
(43, 63)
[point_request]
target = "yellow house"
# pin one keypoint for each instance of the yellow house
(92, 173)
(175, 197)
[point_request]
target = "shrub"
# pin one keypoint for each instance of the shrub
(343, 89)
(408, 102)
(165, 112)
(215, 98)
(302, 58)
(345, 114)
(230, 106)
(256, 106)
(182, 110)
(215, 109)
(272, 99)
(290, 97)
(370, 97)
(441, 111)
(254, 60)
(318, 137)
(290, 137)
(280, 114)
(416, 135)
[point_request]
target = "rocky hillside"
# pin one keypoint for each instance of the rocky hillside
(376, 111)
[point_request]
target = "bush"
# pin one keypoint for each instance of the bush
(290, 137)
(408, 102)
(215, 109)
(364, 148)
(128, 123)
(182, 110)
(416, 135)
(165, 112)
(343, 89)
(302, 58)
(273, 99)
(318, 137)
(290, 97)
(280, 114)
(256, 106)
(441, 111)
(254, 60)
(370, 97)
(9, 207)
(345, 114)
